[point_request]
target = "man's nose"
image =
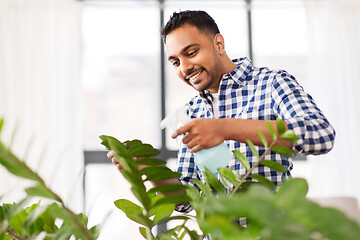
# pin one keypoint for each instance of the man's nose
(186, 67)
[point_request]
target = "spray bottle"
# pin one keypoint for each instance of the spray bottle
(212, 158)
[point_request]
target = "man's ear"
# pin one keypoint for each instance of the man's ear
(219, 43)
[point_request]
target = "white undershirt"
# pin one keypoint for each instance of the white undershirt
(215, 104)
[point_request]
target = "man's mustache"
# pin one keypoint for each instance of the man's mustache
(191, 72)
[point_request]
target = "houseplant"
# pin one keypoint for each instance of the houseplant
(50, 219)
(281, 214)
(271, 212)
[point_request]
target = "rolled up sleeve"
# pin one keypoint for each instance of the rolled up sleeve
(300, 112)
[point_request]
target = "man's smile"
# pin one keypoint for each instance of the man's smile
(194, 77)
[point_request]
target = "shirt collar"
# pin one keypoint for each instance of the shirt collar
(238, 75)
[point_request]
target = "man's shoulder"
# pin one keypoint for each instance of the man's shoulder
(248, 72)
(269, 75)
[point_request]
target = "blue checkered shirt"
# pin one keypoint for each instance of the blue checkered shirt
(249, 92)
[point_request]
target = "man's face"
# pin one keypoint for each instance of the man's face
(195, 57)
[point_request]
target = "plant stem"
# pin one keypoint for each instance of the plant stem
(267, 150)
(76, 221)
(14, 235)
(149, 235)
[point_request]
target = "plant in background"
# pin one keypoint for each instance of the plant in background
(53, 220)
(270, 212)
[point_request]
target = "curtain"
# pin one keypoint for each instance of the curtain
(334, 82)
(40, 94)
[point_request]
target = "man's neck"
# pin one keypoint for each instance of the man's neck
(229, 66)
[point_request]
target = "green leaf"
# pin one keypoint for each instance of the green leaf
(18, 216)
(290, 136)
(263, 139)
(280, 126)
(271, 130)
(34, 213)
(284, 151)
(142, 231)
(252, 146)
(263, 179)
(156, 176)
(192, 233)
(150, 161)
(64, 233)
(133, 211)
(41, 191)
(140, 194)
(15, 165)
(205, 188)
(170, 233)
(291, 191)
(161, 170)
(46, 221)
(273, 165)
(105, 141)
(132, 143)
(143, 150)
(128, 207)
(174, 198)
(228, 175)
(5, 236)
(133, 178)
(1, 124)
(56, 211)
(237, 176)
(118, 147)
(242, 159)
(163, 212)
(246, 185)
(95, 231)
(193, 193)
(213, 181)
(329, 222)
(168, 188)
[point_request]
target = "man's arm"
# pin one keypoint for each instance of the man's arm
(203, 133)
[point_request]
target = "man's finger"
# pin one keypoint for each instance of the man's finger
(110, 154)
(182, 130)
(195, 149)
(117, 164)
(114, 161)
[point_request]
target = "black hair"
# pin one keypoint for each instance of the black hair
(199, 19)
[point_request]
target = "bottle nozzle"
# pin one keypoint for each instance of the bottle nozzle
(175, 120)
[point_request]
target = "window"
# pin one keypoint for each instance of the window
(121, 72)
(280, 37)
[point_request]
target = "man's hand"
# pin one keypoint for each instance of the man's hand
(111, 155)
(202, 133)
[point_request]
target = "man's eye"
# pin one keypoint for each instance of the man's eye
(175, 63)
(192, 53)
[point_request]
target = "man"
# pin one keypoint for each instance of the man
(235, 98)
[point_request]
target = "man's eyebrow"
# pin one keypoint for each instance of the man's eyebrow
(189, 46)
(184, 49)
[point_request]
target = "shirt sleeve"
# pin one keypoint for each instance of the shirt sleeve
(299, 111)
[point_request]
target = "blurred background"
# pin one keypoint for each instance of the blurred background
(72, 70)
